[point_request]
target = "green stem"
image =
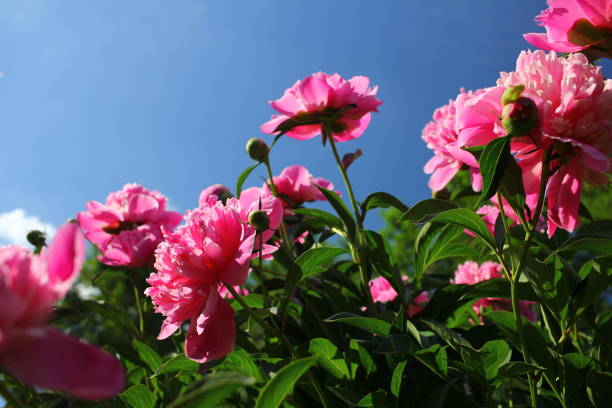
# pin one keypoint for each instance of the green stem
(357, 252)
(282, 228)
(9, 397)
(138, 302)
(522, 264)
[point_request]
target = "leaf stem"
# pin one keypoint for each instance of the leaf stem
(357, 252)
(138, 302)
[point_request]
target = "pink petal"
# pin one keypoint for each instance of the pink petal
(212, 334)
(288, 104)
(65, 257)
(540, 40)
(47, 358)
(313, 92)
(142, 207)
(270, 126)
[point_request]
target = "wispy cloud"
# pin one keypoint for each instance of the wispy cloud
(14, 225)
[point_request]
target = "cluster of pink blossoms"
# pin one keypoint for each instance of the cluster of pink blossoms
(295, 186)
(212, 249)
(30, 349)
(573, 101)
(320, 98)
(575, 25)
(470, 273)
(382, 291)
(128, 227)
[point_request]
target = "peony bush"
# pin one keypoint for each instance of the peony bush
(490, 293)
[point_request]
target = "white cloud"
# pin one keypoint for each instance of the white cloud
(14, 225)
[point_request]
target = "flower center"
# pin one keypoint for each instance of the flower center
(116, 227)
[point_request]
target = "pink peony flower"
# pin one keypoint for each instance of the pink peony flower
(295, 186)
(30, 349)
(127, 228)
(383, 292)
(211, 249)
(470, 273)
(574, 116)
(575, 25)
(441, 136)
(346, 105)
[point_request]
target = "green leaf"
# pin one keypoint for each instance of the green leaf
(452, 338)
(215, 388)
(178, 363)
(240, 361)
(426, 208)
(147, 355)
(370, 324)
(243, 176)
(341, 210)
(588, 242)
(373, 400)
(382, 200)
(138, 396)
(515, 369)
(364, 356)
(396, 379)
(492, 162)
(317, 260)
(322, 218)
(397, 343)
(435, 358)
(599, 388)
(275, 390)
(327, 351)
(444, 302)
(511, 186)
(506, 324)
(467, 219)
(500, 288)
(493, 355)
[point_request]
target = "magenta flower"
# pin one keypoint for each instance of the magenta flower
(441, 136)
(382, 291)
(575, 25)
(30, 349)
(127, 228)
(573, 101)
(211, 249)
(470, 273)
(344, 105)
(295, 186)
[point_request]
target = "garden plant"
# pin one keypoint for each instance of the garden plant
(491, 293)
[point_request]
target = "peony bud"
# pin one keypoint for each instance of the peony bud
(257, 149)
(38, 239)
(259, 220)
(520, 116)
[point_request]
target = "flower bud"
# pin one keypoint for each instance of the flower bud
(257, 149)
(259, 220)
(37, 238)
(520, 116)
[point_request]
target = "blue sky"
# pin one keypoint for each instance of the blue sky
(165, 93)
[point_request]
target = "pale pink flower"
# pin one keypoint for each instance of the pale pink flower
(127, 228)
(320, 96)
(574, 118)
(30, 349)
(441, 136)
(470, 273)
(295, 186)
(211, 249)
(575, 25)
